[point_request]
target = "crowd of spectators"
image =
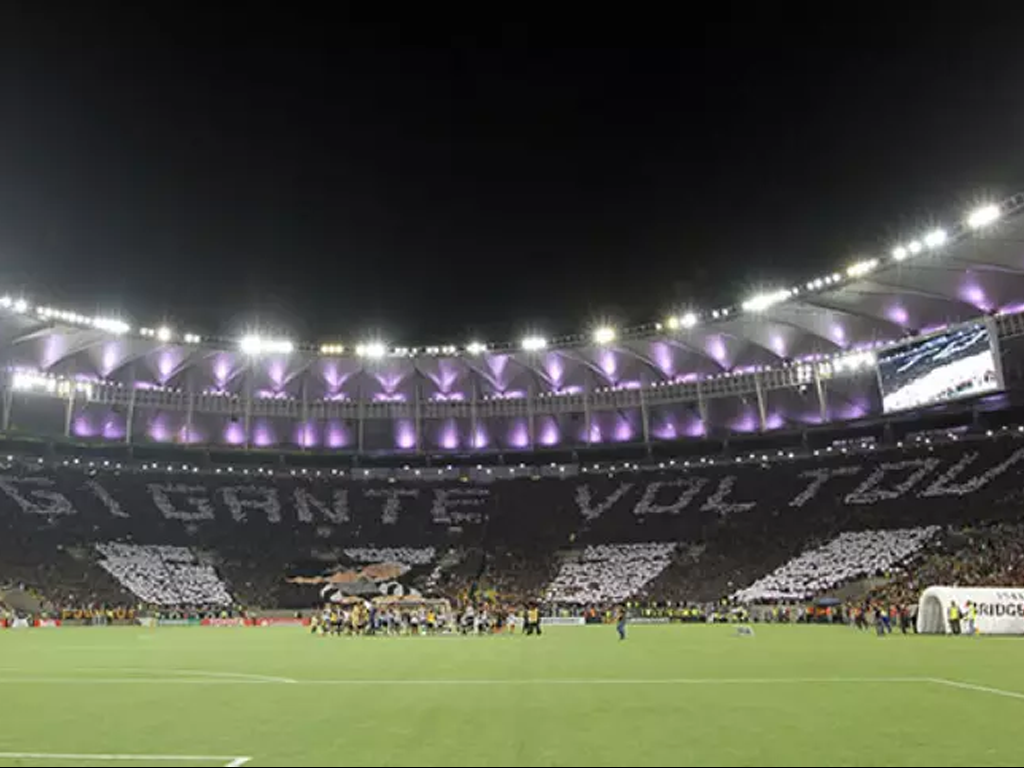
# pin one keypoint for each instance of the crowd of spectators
(673, 536)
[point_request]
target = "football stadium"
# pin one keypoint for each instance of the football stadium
(786, 531)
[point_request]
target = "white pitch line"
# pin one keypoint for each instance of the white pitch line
(974, 687)
(466, 681)
(242, 676)
(233, 762)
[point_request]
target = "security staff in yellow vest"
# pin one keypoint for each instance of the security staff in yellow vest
(954, 617)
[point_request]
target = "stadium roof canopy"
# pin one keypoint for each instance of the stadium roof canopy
(937, 278)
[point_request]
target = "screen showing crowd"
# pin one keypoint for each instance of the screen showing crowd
(951, 365)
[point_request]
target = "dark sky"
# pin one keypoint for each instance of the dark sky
(437, 180)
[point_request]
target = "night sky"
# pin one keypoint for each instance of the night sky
(437, 181)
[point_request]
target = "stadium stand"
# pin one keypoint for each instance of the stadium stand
(846, 557)
(608, 573)
(74, 534)
(163, 575)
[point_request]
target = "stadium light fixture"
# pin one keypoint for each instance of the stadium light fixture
(372, 350)
(332, 349)
(861, 268)
(534, 343)
(914, 246)
(689, 320)
(255, 345)
(476, 347)
(20, 306)
(674, 323)
(763, 301)
(983, 216)
(110, 325)
(604, 335)
(192, 338)
(899, 253)
(936, 238)
(163, 333)
(251, 345)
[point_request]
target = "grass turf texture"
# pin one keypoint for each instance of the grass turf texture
(789, 696)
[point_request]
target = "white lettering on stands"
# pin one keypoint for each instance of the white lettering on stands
(871, 492)
(584, 499)
(716, 502)
(336, 512)
(36, 501)
(942, 486)
(392, 505)
(688, 488)
(818, 479)
(266, 501)
(194, 496)
(104, 496)
(449, 502)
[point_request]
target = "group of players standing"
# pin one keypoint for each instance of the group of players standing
(368, 619)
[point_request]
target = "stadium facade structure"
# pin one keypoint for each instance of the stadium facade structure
(791, 360)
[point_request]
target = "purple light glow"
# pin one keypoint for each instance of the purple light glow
(111, 357)
(774, 421)
(221, 370)
(337, 434)
(745, 422)
(165, 365)
(54, 349)
(665, 431)
(276, 372)
(113, 428)
(481, 439)
(778, 344)
(384, 397)
(662, 355)
(82, 426)
(497, 364)
(390, 380)
(447, 374)
(336, 397)
(263, 434)
(158, 429)
(973, 294)
(306, 435)
(623, 431)
(234, 433)
(549, 432)
(595, 432)
(715, 347)
(838, 333)
(449, 435)
(608, 363)
(191, 436)
(333, 377)
(898, 314)
(852, 410)
(687, 378)
(555, 369)
(405, 434)
(519, 435)
(1011, 309)
(695, 428)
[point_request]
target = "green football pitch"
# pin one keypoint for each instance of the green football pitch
(669, 695)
